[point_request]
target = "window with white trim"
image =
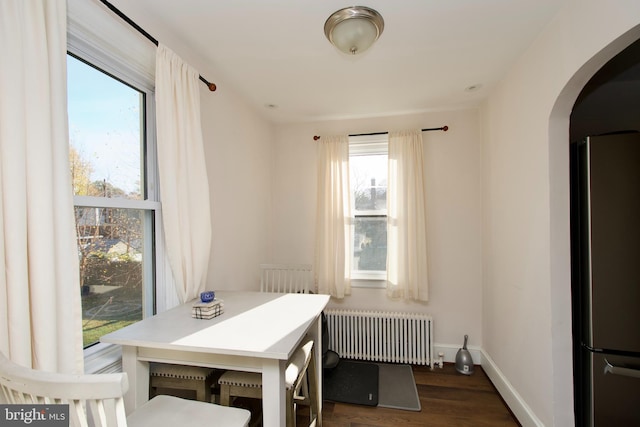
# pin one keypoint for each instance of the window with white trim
(368, 158)
(112, 161)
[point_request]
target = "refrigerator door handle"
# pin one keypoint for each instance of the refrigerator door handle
(618, 370)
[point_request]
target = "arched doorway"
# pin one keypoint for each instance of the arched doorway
(608, 103)
(605, 171)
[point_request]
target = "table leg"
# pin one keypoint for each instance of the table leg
(315, 331)
(274, 411)
(138, 377)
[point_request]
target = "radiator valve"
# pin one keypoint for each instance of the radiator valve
(440, 361)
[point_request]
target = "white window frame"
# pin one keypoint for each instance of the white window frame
(98, 38)
(359, 146)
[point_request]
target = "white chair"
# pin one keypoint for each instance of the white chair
(286, 278)
(249, 384)
(97, 400)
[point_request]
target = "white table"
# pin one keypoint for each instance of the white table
(258, 332)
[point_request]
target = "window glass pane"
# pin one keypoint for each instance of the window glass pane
(369, 192)
(369, 182)
(370, 244)
(105, 134)
(110, 248)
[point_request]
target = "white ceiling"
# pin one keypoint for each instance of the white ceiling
(275, 52)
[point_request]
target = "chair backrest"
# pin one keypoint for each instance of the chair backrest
(101, 394)
(286, 278)
(300, 362)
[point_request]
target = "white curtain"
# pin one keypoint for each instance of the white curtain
(406, 214)
(40, 309)
(184, 185)
(333, 228)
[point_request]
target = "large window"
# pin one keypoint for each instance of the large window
(368, 178)
(113, 171)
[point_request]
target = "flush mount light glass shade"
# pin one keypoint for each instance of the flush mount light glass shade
(354, 29)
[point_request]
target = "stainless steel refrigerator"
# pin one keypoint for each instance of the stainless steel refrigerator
(605, 217)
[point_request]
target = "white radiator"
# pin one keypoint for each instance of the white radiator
(381, 336)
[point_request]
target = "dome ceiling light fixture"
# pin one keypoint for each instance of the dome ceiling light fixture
(354, 29)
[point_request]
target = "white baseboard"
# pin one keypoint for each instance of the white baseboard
(518, 406)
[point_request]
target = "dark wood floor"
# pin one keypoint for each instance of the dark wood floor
(447, 398)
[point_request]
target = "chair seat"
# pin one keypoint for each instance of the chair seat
(174, 378)
(180, 371)
(254, 380)
(249, 384)
(246, 379)
(173, 411)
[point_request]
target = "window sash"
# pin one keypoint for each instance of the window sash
(367, 145)
(114, 202)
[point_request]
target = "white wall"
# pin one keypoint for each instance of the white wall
(238, 149)
(526, 284)
(454, 214)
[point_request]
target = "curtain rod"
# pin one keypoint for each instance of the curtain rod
(212, 86)
(443, 128)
